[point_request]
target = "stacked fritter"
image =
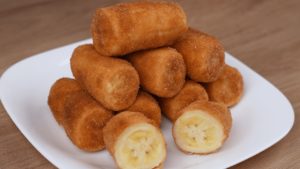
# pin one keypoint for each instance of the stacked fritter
(144, 60)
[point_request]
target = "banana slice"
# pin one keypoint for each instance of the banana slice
(134, 141)
(140, 145)
(202, 127)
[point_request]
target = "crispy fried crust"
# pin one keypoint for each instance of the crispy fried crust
(162, 71)
(147, 105)
(190, 92)
(58, 95)
(129, 27)
(111, 81)
(203, 55)
(217, 110)
(84, 120)
(116, 125)
(228, 89)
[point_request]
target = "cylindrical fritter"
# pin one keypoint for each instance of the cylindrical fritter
(134, 141)
(202, 54)
(111, 81)
(84, 119)
(190, 92)
(58, 94)
(129, 27)
(202, 127)
(162, 71)
(147, 105)
(228, 89)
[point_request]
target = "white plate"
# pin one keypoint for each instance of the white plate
(262, 118)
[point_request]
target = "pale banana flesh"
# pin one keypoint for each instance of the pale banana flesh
(198, 132)
(140, 146)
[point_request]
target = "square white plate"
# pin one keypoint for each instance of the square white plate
(262, 118)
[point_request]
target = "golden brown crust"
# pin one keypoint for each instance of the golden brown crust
(190, 92)
(217, 110)
(203, 55)
(147, 105)
(58, 95)
(111, 81)
(162, 71)
(127, 27)
(228, 89)
(84, 120)
(116, 125)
